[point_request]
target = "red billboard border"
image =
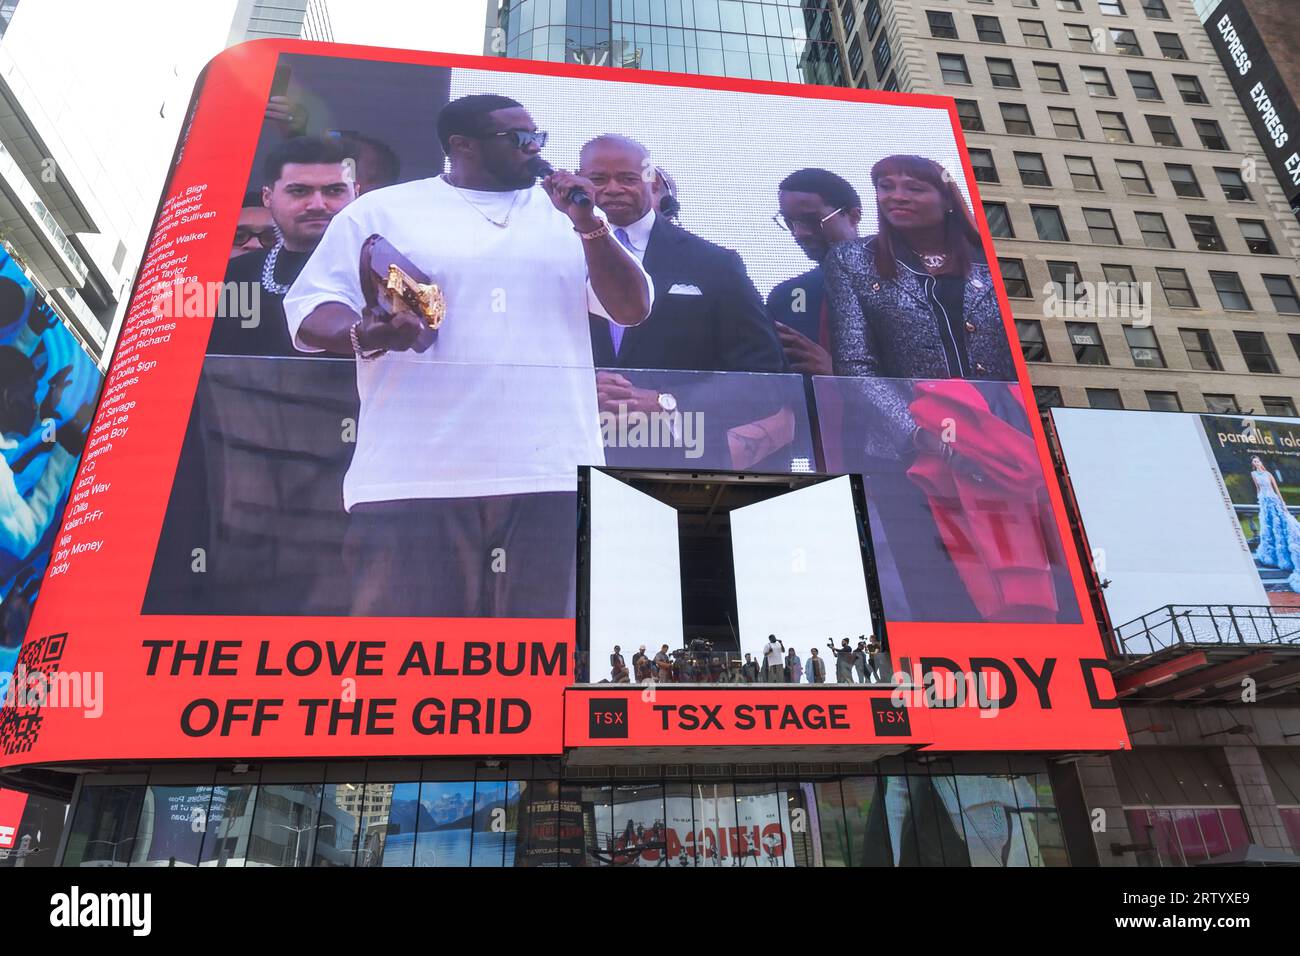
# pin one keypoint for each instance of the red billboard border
(249, 67)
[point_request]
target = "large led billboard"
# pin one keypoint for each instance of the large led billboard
(1187, 509)
(394, 301)
(48, 386)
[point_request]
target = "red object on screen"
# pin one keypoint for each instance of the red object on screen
(987, 503)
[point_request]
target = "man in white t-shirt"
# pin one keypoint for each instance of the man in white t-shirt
(774, 654)
(462, 486)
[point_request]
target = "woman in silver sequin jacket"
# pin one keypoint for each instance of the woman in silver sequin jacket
(916, 300)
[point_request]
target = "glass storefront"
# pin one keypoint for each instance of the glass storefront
(785, 40)
(528, 813)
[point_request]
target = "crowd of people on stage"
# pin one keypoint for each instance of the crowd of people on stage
(862, 663)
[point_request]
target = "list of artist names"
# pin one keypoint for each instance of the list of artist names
(149, 324)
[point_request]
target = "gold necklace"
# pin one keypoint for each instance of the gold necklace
(500, 225)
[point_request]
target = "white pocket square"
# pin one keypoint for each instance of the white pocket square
(682, 289)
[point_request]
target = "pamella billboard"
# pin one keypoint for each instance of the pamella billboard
(336, 490)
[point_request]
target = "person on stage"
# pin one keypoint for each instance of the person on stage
(463, 482)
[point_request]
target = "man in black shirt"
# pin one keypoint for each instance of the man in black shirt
(307, 181)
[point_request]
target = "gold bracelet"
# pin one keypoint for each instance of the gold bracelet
(595, 233)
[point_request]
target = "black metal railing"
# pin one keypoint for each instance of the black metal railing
(1207, 624)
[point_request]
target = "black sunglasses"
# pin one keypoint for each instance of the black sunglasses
(523, 138)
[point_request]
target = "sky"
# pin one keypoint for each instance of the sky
(447, 26)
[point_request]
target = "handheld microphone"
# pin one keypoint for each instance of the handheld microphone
(541, 169)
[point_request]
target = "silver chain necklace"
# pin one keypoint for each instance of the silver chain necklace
(268, 271)
(479, 209)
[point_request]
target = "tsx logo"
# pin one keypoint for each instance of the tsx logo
(607, 717)
(889, 719)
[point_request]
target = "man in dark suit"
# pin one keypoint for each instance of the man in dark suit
(707, 315)
(818, 209)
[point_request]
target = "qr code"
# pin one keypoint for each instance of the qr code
(20, 718)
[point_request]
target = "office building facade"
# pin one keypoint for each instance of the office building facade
(796, 41)
(281, 19)
(1110, 149)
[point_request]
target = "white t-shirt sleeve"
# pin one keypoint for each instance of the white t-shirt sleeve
(594, 305)
(332, 274)
(24, 520)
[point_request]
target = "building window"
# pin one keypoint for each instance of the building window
(1201, 353)
(1014, 278)
(1154, 9)
(881, 55)
(1232, 295)
(855, 56)
(1069, 6)
(1122, 287)
(1134, 177)
(1171, 46)
(1101, 227)
(989, 30)
(1033, 171)
(1163, 131)
(1144, 347)
(873, 17)
(1255, 350)
(1111, 8)
(1065, 122)
(1050, 78)
(941, 24)
(1104, 398)
(968, 113)
(1067, 281)
(1015, 119)
(953, 68)
(1081, 38)
(1035, 34)
(1028, 4)
(1155, 234)
(1003, 73)
(1183, 179)
(1144, 85)
(1049, 224)
(981, 161)
(1278, 406)
(1233, 186)
(1189, 88)
(1282, 292)
(1258, 241)
(1222, 404)
(1032, 344)
(1048, 396)
(1210, 133)
(1086, 339)
(1082, 173)
(1126, 42)
(1097, 81)
(1115, 127)
(1178, 290)
(891, 83)
(999, 220)
(1206, 233)
(1164, 402)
